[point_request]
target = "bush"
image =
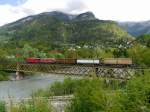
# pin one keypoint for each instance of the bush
(67, 87)
(97, 95)
(35, 105)
(136, 96)
(93, 96)
(3, 76)
(88, 98)
(2, 107)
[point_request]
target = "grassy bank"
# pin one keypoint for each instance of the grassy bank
(4, 76)
(34, 105)
(2, 107)
(70, 86)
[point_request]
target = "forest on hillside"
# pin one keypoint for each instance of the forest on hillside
(139, 51)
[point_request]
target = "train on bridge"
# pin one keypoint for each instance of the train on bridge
(104, 61)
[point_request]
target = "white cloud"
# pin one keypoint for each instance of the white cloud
(76, 6)
(8, 15)
(122, 10)
(44, 5)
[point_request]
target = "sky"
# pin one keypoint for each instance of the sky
(118, 10)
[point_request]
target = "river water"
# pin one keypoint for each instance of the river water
(24, 88)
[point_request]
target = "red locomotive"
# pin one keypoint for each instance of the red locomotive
(40, 60)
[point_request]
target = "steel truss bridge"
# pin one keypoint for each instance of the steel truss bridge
(116, 72)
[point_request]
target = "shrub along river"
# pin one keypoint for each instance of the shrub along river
(24, 88)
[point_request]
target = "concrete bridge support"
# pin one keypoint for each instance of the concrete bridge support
(96, 71)
(19, 75)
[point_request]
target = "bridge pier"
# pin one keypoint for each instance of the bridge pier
(96, 71)
(19, 75)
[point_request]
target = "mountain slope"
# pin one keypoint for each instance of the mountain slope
(144, 39)
(57, 28)
(136, 28)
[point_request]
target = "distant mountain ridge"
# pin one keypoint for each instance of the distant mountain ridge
(136, 28)
(58, 28)
(56, 14)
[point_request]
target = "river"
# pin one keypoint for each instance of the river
(24, 88)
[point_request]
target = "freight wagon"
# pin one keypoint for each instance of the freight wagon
(66, 61)
(88, 61)
(117, 61)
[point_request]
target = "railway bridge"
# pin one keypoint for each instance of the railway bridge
(78, 69)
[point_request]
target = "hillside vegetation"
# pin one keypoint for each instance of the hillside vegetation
(55, 29)
(144, 39)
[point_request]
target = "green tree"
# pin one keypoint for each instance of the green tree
(3, 53)
(144, 39)
(2, 107)
(89, 97)
(140, 55)
(102, 53)
(136, 96)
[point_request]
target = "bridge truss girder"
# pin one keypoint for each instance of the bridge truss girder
(100, 71)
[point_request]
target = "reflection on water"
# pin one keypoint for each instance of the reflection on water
(24, 88)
